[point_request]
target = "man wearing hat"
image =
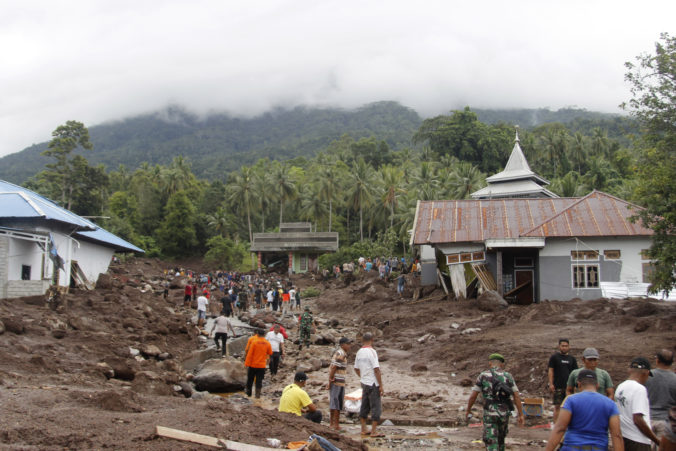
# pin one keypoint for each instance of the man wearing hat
(336, 383)
(585, 418)
(632, 401)
(494, 386)
(294, 399)
(305, 327)
(590, 359)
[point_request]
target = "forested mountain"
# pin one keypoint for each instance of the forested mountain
(220, 143)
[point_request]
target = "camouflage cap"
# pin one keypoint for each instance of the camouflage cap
(496, 356)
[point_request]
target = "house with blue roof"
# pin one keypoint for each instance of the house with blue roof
(43, 244)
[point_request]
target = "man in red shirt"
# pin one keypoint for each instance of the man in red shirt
(258, 351)
(188, 295)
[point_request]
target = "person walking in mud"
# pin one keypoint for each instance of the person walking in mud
(276, 339)
(305, 327)
(257, 352)
(336, 385)
(497, 387)
(561, 364)
(220, 328)
(367, 367)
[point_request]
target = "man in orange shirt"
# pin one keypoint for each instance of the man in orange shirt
(258, 350)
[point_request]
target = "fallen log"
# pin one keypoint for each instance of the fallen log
(207, 440)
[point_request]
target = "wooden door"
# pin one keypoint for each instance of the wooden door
(524, 277)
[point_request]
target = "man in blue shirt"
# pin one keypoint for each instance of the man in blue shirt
(585, 418)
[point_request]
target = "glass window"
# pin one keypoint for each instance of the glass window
(586, 276)
(584, 255)
(612, 254)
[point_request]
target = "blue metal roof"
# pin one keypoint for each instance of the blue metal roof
(21, 203)
(105, 237)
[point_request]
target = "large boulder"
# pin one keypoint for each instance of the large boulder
(14, 325)
(491, 301)
(236, 346)
(104, 282)
(221, 376)
(150, 383)
(199, 357)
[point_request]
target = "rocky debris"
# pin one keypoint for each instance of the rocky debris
(2, 328)
(104, 282)
(426, 338)
(316, 364)
(150, 351)
(150, 383)
(416, 367)
(236, 346)
(471, 330)
(59, 333)
(186, 389)
(491, 301)
(642, 326)
(221, 376)
(105, 369)
(14, 325)
(84, 323)
(121, 369)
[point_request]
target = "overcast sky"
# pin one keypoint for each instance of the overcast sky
(96, 61)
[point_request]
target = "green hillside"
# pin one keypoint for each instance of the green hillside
(220, 143)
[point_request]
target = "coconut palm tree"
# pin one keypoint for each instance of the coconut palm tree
(392, 187)
(284, 186)
(241, 190)
(465, 178)
(329, 187)
(360, 194)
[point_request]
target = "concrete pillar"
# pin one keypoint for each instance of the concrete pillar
(498, 277)
(290, 263)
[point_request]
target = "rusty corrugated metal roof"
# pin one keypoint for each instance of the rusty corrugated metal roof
(451, 221)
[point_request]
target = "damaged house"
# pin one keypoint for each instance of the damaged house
(43, 244)
(520, 239)
(295, 247)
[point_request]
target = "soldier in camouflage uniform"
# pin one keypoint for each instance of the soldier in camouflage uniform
(306, 324)
(497, 406)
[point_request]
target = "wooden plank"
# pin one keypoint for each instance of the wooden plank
(484, 276)
(518, 289)
(207, 440)
(443, 283)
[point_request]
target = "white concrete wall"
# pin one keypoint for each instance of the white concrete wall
(93, 259)
(630, 262)
(4, 248)
(24, 252)
(461, 248)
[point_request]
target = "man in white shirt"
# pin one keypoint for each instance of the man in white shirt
(367, 367)
(276, 340)
(270, 297)
(631, 398)
(220, 329)
(202, 303)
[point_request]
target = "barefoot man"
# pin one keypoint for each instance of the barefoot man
(336, 383)
(368, 369)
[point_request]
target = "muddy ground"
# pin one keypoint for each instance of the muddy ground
(68, 379)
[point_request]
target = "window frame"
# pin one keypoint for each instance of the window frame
(585, 273)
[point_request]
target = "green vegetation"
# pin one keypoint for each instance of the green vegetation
(653, 82)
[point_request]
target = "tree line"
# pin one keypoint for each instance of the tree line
(367, 192)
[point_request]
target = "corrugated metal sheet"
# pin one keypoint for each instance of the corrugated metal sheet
(17, 202)
(451, 221)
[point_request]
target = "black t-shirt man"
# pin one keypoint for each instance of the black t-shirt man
(563, 365)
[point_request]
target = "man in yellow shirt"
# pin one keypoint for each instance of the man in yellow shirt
(294, 400)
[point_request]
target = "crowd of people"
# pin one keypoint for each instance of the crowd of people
(589, 412)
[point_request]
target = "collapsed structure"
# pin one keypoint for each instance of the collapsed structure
(522, 240)
(43, 244)
(295, 245)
